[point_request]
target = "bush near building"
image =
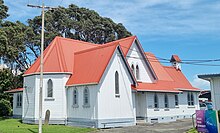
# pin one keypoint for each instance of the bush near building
(5, 108)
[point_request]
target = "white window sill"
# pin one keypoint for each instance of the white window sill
(18, 106)
(49, 99)
(156, 109)
(166, 109)
(75, 106)
(177, 106)
(117, 95)
(86, 106)
(191, 106)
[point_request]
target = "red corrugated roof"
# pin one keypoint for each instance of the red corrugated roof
(169, 79)
(90, 64)
(125, 43)
(58, 56)
(14, 90)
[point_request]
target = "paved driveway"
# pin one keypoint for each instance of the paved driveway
(179, 126)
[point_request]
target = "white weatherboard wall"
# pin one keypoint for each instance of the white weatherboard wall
(56, 105)
(134, 57)
(115, 111)
(28, 105)
(179, 112)
(81, 115)
(215, 91)
(17, 111)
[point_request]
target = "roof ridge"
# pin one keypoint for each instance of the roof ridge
(122, 39)
(70, 39)
(94, 48)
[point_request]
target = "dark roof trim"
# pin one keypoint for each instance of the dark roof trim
(127, 65)
(146, 61)
(207, 76)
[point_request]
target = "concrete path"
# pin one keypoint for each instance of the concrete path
(180, 126)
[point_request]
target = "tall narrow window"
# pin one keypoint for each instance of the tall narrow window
(116, 84)
(49, 88)
(132, 68)
(156, 102)
(192, 99)
(166, 101)
(176, 100)
(137, 73)
(188, 98)
(86, 97)
(75, 97)
(19, 100)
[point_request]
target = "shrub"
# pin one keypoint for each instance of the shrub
(5, 108)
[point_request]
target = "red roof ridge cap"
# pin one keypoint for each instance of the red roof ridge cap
(70, 39)
(122, 39)
(95, 48)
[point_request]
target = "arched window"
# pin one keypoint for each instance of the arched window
(116, 83)
(132, 68)
(137, 73)
(156, 102)
(49, 88)
(86, 97)
(176, 100)
(166, 101)
(75, 97)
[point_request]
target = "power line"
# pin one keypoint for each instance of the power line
(155, 59)
(192, 62)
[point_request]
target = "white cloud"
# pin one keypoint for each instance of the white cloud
(143, 17)
(200, 83)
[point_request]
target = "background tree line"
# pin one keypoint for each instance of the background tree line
(20, 43)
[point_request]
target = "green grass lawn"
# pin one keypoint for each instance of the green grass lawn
(15, 126)
(193, 130)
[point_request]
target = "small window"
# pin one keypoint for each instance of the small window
(176, 100)
(190, 99)
(156, 103)
(132, 68)
(19, 100)
(86, 97)
(137, 72)
(49, 88)
(166, 101)
(75, 97)
(116, 84)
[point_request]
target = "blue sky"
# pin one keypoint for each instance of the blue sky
(188, 28)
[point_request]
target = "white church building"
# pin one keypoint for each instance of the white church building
(110, 85)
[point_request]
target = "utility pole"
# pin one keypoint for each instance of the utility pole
(41, 62)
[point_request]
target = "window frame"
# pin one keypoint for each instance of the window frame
(156, 101)
(117, 86)
(137, 72)
(19, 100)
(166, 101)
(86, 95)
(49, 87)
(176, 97)
(75, 98)
(190, 99)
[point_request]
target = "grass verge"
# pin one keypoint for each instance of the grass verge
(15, 126)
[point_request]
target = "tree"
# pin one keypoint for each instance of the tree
(3, 10)
(76, 23)
(13, 36)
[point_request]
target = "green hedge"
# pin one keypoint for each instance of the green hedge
(5, 108)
